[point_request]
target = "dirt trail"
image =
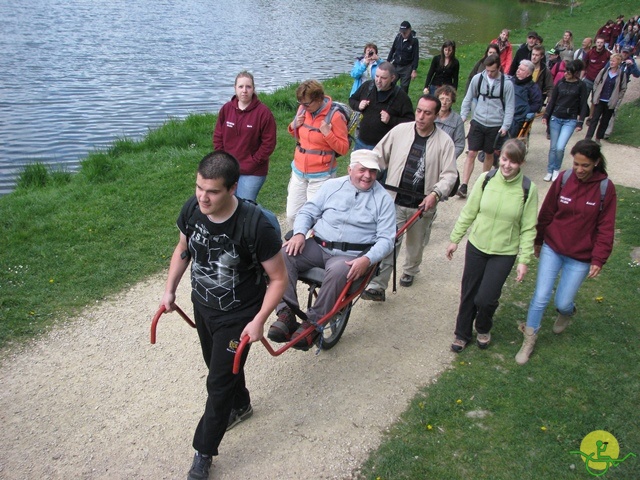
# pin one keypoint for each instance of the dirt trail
(94, 400)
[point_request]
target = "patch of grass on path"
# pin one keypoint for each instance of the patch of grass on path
(488, 418)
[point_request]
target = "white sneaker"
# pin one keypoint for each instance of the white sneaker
(547, 177)
(555, 175)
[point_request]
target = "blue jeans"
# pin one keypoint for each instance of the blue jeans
(249, 186)
(573, 274)
(560, 131)
(360, 145)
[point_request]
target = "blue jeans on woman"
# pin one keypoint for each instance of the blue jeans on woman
(249, 186)
(560, 131)
(573, 274)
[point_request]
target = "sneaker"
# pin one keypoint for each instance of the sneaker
(305, 342)
(200, 467)
(462, 191)
(597, 140)
(562, 322)
(483, 340)
(373, 295)
(554, 175)
(458, 345)
(406, 280)
(547, 177)
(239, 415)
(283, 328)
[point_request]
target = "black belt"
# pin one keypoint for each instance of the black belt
(344, 246)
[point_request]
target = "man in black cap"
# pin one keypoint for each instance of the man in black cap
(524, 52)
(404, 55)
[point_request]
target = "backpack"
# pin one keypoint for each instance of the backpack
(245, 230)
(526, 184)
(489, 95)
(603, 185)
(351, 118)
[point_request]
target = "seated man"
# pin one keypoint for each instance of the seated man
(348, 215)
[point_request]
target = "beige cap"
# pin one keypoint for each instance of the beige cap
(366, 158)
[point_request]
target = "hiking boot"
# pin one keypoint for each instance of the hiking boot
(306, 342)
(462, 191)
(239, 415)
(547, 177)
(200, 467)
(483, 340)
(458, 345)
(373, 295)
(528, 344)
(406, 280)
(282, 329)
(562, 322)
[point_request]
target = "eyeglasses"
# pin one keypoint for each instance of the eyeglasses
(305, 104)
(444, 99)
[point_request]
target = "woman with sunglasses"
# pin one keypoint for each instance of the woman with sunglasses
(321, 134)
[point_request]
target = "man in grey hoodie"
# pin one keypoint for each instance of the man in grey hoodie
(492, 116)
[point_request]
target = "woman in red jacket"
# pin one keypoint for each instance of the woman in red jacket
(574, 240)
(246, 129)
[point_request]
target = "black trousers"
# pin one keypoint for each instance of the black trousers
(482, 281)
(225, 390)
(601, 116)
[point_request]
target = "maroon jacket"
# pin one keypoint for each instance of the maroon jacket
(249, 135)
(571, 222)
(594, 62)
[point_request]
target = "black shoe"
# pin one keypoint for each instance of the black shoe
(462, 191)
(284, 327)
(239, 415)
(200, 467)
(373, 295)
(406, 280)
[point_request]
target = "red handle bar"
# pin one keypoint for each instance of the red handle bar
(161, 310)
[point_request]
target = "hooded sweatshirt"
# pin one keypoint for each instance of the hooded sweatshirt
(249, 135)
(571, 222)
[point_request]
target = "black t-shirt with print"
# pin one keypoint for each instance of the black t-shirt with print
(222, 274)
(413, 174)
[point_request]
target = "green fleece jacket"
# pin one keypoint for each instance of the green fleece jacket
(500, 223)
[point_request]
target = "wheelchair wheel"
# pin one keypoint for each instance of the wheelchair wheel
(334, 328)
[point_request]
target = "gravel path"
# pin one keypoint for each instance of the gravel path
(94, 400)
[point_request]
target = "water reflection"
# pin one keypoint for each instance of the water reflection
(76, 74)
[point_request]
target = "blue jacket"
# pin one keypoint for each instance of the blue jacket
(358, 69)
(340, 212)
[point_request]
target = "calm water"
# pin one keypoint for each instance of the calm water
(76, 74)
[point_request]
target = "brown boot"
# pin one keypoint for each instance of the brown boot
(562, 322)
(527, 345)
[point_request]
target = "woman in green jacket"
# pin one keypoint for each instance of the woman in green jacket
(501, 212)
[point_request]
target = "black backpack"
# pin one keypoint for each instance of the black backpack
(245, 231)
(526, 183)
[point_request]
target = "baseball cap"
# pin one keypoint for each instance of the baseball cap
(533, 34)
(366, 158)
(627, 50)
(553, 51)
(404, 25)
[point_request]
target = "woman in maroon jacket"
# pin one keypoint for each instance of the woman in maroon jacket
(575, 236)
(246, 129)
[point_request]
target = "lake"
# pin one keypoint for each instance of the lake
(77, 74)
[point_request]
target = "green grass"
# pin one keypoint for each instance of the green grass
(627, 121)
(583, 380)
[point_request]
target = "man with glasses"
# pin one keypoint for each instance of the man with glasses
(383, 106)
(492, 116)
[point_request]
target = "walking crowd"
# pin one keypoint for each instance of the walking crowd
(403, 160)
